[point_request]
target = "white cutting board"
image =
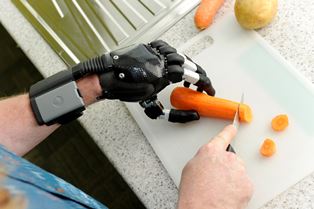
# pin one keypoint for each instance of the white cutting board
(241, 61)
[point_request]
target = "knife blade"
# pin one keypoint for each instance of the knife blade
(236, 122)
(236, 119)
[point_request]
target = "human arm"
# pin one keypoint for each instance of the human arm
(19, 131)
(132, 74)
(215, 178)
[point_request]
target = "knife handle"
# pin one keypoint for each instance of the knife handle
(230, 149)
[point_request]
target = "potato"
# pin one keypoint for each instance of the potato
(255, 14)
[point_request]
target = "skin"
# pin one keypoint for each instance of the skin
(19, 131)
(213, 179)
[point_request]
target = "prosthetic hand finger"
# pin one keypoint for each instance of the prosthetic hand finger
(174, 70)
(189, 64)
(196, 75)
(165, 50)
(201, 81)
(204, 84)
(152, 108)
(163, 47)
(183, 116)
(158, 43)
(175, 73)
(155, 110)
(178, 59)
(186, 84)
(175, 59)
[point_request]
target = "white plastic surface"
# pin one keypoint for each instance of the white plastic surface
(241, 61)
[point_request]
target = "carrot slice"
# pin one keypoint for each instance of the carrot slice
(268, 148)
(280, 122)
(208, 106)
(206, 12)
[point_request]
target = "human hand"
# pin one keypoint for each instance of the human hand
(215, 178)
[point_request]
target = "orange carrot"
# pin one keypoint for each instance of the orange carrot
(208, 106)
(206, 12)
(280, 122)
(268, 148)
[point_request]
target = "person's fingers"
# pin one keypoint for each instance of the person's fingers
(232, 157)
(241, 161)
(224, 138)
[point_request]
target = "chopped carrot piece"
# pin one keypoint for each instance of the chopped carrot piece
(280, 122)
(268, 148)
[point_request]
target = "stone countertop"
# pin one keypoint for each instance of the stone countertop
(120, 138)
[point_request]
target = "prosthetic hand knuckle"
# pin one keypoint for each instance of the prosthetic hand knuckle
(175, 73)
(174, 59)
(167, 50)
(158, 43)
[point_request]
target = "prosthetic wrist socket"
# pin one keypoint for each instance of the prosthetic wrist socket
(57, 99)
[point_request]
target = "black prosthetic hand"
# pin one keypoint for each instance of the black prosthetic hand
(139, 72)
(133, 74)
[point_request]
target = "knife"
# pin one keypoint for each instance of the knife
(236, 122)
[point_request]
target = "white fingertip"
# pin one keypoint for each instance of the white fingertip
(190, 76)
(165, 115)
(188, 64)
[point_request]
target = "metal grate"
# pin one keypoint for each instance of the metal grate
(79, 29)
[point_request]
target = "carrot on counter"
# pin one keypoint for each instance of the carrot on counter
(280, 122)
(208, 106)
(268, 148)
(206, 12)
